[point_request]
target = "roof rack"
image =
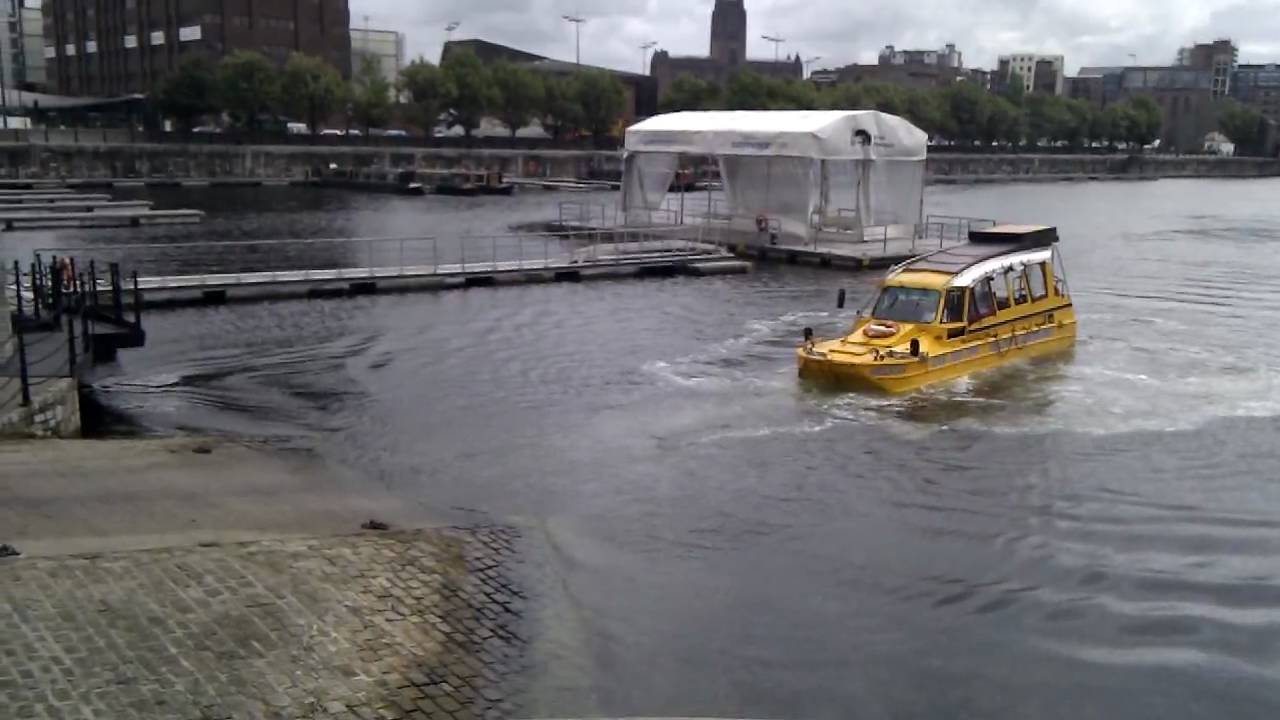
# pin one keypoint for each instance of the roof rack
(1027, 236)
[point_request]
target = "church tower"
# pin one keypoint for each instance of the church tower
(729, 33)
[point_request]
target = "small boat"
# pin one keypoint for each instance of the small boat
(403, 182)
(493, 183)
(453, 182)
(1000, 297)
(469, 183)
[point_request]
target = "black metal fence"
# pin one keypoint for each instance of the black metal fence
(63, 319)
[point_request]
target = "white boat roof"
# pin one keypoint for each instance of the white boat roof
(818, 134)
(1000, 263)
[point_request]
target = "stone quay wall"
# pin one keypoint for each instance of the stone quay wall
(54, 411)
(176, 161)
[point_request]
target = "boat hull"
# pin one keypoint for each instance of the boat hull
(377, 187)
(457, 191)
(893, 376)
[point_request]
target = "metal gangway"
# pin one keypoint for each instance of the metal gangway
(175, 272)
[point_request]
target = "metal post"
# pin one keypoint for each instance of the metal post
(117, 299)
(495, 253)
(56, 279)
(435, 256)
(35, 291)
(93, 281)
(137, 302)
(84, 328)
(71, 345)
(24, 378)
(401, 256)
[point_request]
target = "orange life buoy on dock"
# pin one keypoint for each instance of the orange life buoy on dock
(880, 329)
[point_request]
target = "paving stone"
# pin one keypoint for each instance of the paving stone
(282, 628)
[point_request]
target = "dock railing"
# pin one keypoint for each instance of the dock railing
(59, 315)
(937, 231)
(286, 260)
(587, 214)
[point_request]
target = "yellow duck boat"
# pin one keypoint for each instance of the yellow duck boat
(1001, 297)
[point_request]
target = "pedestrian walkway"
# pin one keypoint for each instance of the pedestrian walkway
(419, 624)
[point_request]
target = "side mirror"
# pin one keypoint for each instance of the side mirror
(915, 347)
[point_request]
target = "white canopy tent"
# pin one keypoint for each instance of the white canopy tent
(801, 170)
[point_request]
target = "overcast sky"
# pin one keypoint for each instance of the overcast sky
(1087, 32)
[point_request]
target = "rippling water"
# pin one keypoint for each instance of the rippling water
(1092, 536)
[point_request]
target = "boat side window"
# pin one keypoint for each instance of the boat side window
(953, 307)
(1035, 278)
(982, 302)
(1019, 281)
(1000, 284)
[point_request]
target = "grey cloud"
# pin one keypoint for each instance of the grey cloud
(1087, 32)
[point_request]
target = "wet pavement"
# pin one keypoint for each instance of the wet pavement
(420, 624)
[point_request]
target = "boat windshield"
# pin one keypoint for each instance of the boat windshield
(906, 304)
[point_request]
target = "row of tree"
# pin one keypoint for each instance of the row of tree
(961, 113)
(253, 90)
(462, 91)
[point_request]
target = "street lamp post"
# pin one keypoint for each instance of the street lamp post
(808, 63)
(644, 56)
(577, 21)
(777, 45)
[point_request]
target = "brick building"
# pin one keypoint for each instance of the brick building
(115, 47)
(728, 54)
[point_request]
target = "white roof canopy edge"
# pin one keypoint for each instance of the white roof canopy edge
(1019, 260)
(817, 134)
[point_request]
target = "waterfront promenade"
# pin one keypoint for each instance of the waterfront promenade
(206, 580)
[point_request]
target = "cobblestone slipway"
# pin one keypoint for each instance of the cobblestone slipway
(420, 624)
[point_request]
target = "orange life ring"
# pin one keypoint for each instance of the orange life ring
(880, 329)
(762, 223)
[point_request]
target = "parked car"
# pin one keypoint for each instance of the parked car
(397, 134)
(331, 132)
(297, 128)
(354, 133)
